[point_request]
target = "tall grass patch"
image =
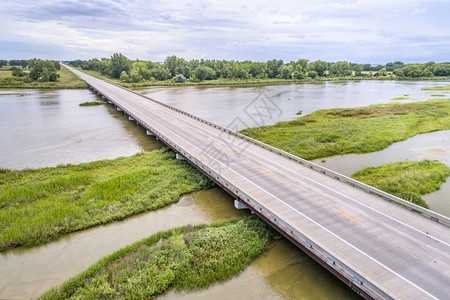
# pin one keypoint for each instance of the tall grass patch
(39, 205)
(408, 180)
(185, 258)
(354, 130)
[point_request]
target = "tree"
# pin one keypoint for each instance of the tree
(160, 73)
(257, 70)
(381, 72)
(204, 73)
(119, 63)
(273, 67)
(358, 69)
(105, 67)
(442, 69)
(399, 73)
(367, 67)
(340, 68)
(303, 63)
(286, 72)
(43, 70)
(45, 75)
(140, 68)
(299, 75)
(179, 78)
(312, 74)
(124, 77)
(171, 63)
(3, 63)
(318, 66)
(17, 72)
(135, 76)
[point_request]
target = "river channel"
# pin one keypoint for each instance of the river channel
(47, 128)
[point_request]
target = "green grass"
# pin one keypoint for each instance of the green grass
(91, 103)
(5, 72)
(40, 205)
(186, 258)
(437, 95)
(401, 98)
(408, 180)
(354, 130)
(438, 88)
(67, 80)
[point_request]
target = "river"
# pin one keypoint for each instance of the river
(47, 128)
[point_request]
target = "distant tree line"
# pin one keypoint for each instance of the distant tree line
(33, 69)
(179, 69)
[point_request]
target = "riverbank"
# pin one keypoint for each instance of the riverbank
(222, 82)
(67, 80)
(40, 205)
(184, 258)
(408, 180)
(354, 130)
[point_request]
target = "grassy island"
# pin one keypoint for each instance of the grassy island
(92, 103)
(39, 205)
(408, 180)
(438, 88)
(354, 130)
(185, 258)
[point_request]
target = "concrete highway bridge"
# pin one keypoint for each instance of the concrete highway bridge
(381, 246)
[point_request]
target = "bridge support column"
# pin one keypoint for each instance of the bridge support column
(149, 132)
(118, 108)
(110, 102)
(130, 118)
(180, 157)
(239, 205)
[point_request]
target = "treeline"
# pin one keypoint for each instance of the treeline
(30, 70)
(179, 69)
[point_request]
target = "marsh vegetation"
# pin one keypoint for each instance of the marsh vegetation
(354, 130)
(39, 205)
(408, 180)
(186, 258)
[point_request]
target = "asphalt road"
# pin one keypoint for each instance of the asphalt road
(404, 254)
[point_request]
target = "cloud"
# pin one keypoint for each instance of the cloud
(358, 30)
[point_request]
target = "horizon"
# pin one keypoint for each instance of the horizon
(360, 31)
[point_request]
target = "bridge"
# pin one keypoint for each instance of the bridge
(381, 246)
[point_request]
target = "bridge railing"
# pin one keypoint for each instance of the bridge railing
(386, 196)
(351, 275)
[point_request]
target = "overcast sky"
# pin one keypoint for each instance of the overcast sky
(362, 31)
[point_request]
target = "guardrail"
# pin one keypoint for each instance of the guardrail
(383, 195)
(353, 277)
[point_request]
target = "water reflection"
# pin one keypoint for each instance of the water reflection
(47, 98)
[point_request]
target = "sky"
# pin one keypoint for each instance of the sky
(360, 31)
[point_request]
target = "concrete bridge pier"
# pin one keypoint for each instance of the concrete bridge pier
(118, 108)
(131, 118)
(239, 205)
(150, 133)
(179, 156)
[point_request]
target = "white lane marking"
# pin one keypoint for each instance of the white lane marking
(294, 209)
(307, 178)
(320, 184)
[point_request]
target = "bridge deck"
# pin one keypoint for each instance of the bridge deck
(386, 250)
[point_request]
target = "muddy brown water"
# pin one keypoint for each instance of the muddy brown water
(46, 128)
